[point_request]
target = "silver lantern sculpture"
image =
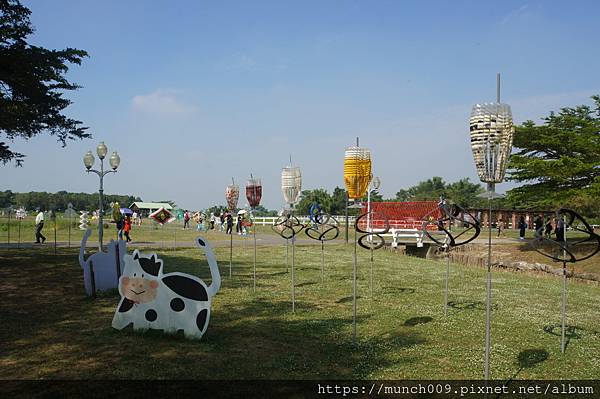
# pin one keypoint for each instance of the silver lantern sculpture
(291, 186)
(232, 195)
(491, 129)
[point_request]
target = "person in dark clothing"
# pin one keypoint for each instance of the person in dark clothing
(238, 226)
(560, 230)
(548, 230)
(538, 224)
(522, 227)
(229, 223)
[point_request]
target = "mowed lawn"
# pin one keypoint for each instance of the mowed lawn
(50, 329)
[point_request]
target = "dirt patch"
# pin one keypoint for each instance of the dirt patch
(522, 257)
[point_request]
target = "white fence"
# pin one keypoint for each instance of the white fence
(270, 220)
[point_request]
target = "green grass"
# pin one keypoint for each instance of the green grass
(51, 330)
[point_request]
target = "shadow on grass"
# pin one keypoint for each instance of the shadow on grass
(571, 332)
(413, 321)
(527, 359)
(52, 330)
(347, 299)
(470, 305)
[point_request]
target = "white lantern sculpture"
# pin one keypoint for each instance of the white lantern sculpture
(291, 184)
(491, 129)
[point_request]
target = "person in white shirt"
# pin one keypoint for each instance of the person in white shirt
(39, 225)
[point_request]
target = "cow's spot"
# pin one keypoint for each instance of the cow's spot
(186, 287)
(125, 305)
(201, 319)
(151, 315)
(177, 304)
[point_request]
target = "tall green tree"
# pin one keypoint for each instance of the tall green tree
(32, 82)
(559, 160)
(462, 192)
(308, 197)
(426, 190)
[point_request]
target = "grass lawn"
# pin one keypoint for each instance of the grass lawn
(50, 329)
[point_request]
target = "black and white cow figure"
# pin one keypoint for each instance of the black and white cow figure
(169, 302)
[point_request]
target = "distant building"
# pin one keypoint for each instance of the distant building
(146, 208)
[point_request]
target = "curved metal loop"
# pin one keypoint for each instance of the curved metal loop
(322, 231)
(367, 240)
(567, 251)
(450, 213)
(287, 226)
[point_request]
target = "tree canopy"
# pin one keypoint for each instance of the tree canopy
(463, 192)
(32, 82)
(559, 161)
(60, 200)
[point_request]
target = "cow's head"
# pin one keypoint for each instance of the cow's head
(140, 277)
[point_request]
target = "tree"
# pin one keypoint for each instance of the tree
(338, 202)
(558, 161)
(462, 192)
(376, 196)
(465, 193)
(32, 82)
(426, 190)
(308, 197)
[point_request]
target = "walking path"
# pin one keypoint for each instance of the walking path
(261, 239)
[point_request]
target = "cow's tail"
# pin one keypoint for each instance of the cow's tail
(215, 275)
(86, 235)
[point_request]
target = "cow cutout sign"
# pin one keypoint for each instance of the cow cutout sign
(170, 302)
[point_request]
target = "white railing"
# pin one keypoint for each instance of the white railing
(270, 220)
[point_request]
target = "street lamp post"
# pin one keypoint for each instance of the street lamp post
(114, 161)
(375, 184)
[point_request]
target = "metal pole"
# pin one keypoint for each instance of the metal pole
(447, 277)
(101, 212)
(564, 308)
(70, 222)
(498, 87)
(354, 291)
(488, 307)
(8, 227)
(254, 234)
(19, 242)
(287, 253)
(322, 260)
(369, 229)
(54, 214)
(564, 295)
(230, 250)
(293, 264)
(346, 217)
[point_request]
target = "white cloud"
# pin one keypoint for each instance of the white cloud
(161, 101)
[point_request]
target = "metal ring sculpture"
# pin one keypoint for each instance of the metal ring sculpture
(450, 214)
(287, 226)
(564, 249)
(321, 228)
(368, 235)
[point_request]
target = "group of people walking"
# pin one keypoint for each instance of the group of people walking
(556, 225)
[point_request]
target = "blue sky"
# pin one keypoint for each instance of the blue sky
(192, 93)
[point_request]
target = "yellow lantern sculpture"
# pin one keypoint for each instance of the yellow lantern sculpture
(357, 177)
(357, 171)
